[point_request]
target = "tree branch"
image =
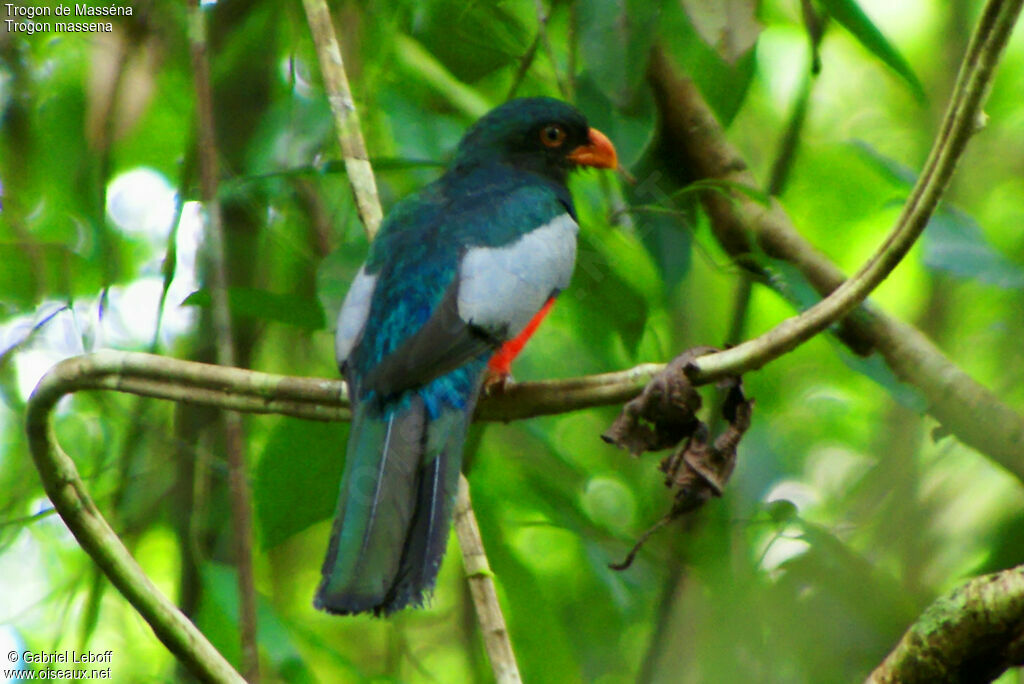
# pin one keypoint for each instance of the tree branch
(64, 487)
(243, 390)
(248, 391)
(972, 634)
(481, 587)
(346, 119)
(696, 141)
(234, 438)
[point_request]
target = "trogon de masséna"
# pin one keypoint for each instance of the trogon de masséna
(458, 277)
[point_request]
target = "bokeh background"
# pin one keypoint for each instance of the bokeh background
(847, 514)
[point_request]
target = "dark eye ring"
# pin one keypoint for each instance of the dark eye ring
(552, 135)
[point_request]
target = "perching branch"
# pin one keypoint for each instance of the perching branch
(248, 391)
(695, 141)
(254, 392)
(234, 438)
(972, 634)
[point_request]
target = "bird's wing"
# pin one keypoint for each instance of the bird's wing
(497, 286)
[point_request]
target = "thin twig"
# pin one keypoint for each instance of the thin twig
(481, 587)
(697, 142)
(545, 41)
(234, 439)
(960, 123)
(249, 391)
(346, 119)
(524, 65)
(360, 176)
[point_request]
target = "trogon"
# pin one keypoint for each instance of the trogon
(457, 279)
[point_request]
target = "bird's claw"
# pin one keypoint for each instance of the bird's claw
(496, 382)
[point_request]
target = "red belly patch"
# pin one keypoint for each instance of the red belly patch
(501, 363)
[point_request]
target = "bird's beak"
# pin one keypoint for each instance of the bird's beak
(598, 152)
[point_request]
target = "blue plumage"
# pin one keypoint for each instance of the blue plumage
(456, 271)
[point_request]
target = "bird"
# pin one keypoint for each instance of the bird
(457, 279)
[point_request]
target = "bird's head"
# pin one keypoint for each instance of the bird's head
(538, 134)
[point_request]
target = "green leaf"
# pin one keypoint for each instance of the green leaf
(219, 611)
(953, 242)
(723, 84)
(631, 129)
(608, 293)
(878, 370)
(615, 43)
(852, 17)
(781, 510)
(887, 167)
(730, 26)
(34, 270)
(297, 477)
(792, 284)
(472, 39)
(421, 65)
(268, 306)
(663, 225)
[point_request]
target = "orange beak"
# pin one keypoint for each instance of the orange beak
(598, 152)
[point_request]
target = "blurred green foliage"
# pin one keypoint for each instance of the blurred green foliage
(846, 515)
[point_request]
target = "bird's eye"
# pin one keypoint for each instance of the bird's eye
(552, 135)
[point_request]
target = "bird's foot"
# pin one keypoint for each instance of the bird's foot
(496, 381)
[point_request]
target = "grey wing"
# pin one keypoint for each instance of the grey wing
(353, 315)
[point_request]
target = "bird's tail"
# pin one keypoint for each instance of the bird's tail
(394, 511)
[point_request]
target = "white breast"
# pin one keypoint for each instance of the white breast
(501, 288)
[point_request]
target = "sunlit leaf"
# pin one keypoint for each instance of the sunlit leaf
(852, 17)
(730, 26)
(887, 167)
(423, 66)
(953, 241)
